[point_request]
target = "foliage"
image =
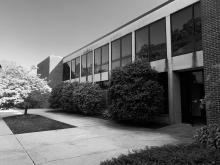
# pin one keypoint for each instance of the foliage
(56, 95)
(135, 92)
(22, 88)
(84, 98)
(169, 155)
(88, 98)
(209, 135)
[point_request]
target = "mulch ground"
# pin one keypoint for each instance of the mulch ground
(33, 123)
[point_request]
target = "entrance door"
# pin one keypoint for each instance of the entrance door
(192, 93)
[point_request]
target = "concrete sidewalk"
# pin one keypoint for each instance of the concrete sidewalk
(92, 141)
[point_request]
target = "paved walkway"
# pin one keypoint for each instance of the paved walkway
(92, 141)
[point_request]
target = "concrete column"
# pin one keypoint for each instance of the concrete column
(133, 46)
(173, 82)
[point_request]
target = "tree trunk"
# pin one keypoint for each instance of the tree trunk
(25, 111)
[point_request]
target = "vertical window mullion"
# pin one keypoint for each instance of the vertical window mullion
(149, 47)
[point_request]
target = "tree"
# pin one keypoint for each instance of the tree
(22, 88)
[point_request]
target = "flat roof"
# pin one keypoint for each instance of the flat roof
(133, 20)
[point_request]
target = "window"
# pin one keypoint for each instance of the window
(105, 58)
(158, 48)
(66, 71)
(186, 30)
(87, 62)
(97, 59)
(151, 41)
(101, 59)
(121, 51)
(84, 69)
(198, 27)
(142, 43)
(77, 71)
(73, 69)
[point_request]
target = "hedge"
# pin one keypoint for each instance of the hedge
(192, 154)
(135, 93)
(83, 98)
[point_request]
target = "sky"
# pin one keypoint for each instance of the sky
(31, 30)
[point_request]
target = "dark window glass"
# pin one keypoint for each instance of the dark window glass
(198, 27)
(73, 69)
(158, 40)
(97, 64)
(105, 58)
(142, 43)
(66, 71)
(182, 31)
(125, 61)
(116, 48)
(115, 64)
(126, 46)
(77, 73)
(84, 69)
(89, 63)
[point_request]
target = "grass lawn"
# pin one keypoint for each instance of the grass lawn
(33, 123)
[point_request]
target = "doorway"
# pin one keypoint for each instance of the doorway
(192, 93)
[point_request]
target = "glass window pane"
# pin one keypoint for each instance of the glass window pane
(73, 69)
(105, 54)
(77, 73)
(182, 32)
(89, 63)
(142, 43)
(158, 40)
(115, 64)
(126, 45)
(125, 61)
(198, 26)
(84, 69)
(116, 45)
(105, 68)
(97, 60)
(66, 71)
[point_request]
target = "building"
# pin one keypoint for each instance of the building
(181, 39)
(51, 69)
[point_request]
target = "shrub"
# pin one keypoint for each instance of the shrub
(89, 99)
(66, 96)
(209, 136)
(135, 92)
(169, 155)
(55, 96)
(61, 95)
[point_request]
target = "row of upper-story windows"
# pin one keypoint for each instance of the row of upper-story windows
(150, 43)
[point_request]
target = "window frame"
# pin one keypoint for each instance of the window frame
(101, 54)
(121, 58)
(193, 19)
(149, 39)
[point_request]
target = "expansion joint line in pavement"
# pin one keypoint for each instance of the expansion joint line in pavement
(25, 150)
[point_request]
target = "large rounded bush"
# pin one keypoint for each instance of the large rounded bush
(89, 99)
(135, 92)
(61, 95)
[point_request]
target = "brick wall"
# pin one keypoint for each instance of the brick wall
(211, 47)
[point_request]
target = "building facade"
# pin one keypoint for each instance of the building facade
(51, 69)
(181, 40)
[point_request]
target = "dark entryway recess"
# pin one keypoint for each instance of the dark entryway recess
(192, 93)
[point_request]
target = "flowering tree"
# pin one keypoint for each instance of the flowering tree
(22, 88)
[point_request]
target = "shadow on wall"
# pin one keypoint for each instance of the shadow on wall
(56, 75)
